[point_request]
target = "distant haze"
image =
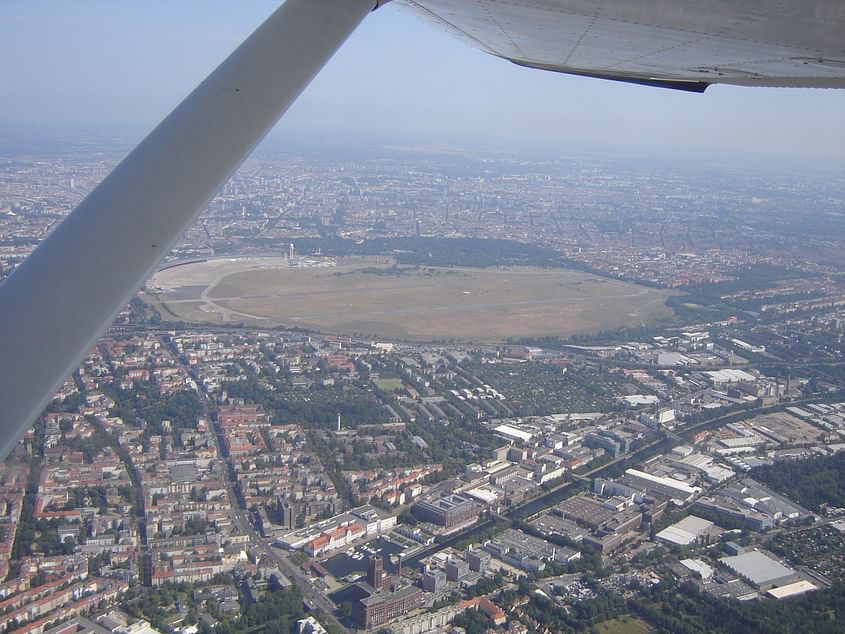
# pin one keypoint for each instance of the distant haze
(103, 67)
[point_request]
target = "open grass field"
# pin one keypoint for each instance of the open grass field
(624, 625)
(388, 385)
(369, 296)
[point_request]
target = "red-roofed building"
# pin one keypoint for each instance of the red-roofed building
(485, 605)
(334, 539)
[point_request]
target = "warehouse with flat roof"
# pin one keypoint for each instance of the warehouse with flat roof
(447, 510)
(760, 569)
(792, 590)
(667, 487)
(685, 532)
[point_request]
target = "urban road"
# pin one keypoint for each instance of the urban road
(261, 547)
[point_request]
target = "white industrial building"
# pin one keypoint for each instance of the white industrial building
(792, 590)
(513, 433)
(760, 569)
(728, 376)
(687, 531)
(698, 567)
(669, 487)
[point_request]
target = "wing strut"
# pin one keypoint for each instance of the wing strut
(57, 303)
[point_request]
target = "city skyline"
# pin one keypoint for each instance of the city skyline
(97, 68)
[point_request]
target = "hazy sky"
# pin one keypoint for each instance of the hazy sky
(108, 66)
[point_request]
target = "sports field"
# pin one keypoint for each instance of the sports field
(373, 297)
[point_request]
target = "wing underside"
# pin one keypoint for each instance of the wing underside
(682, 44)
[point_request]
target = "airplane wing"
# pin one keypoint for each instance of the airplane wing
(56, 304)
(60, 300)
(681, 44)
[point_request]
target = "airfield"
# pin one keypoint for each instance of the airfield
(375, 297)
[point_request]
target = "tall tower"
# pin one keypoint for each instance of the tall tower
(291, 251)
(375, 571)
(338, 421)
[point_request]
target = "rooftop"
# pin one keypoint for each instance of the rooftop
(759, 568)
